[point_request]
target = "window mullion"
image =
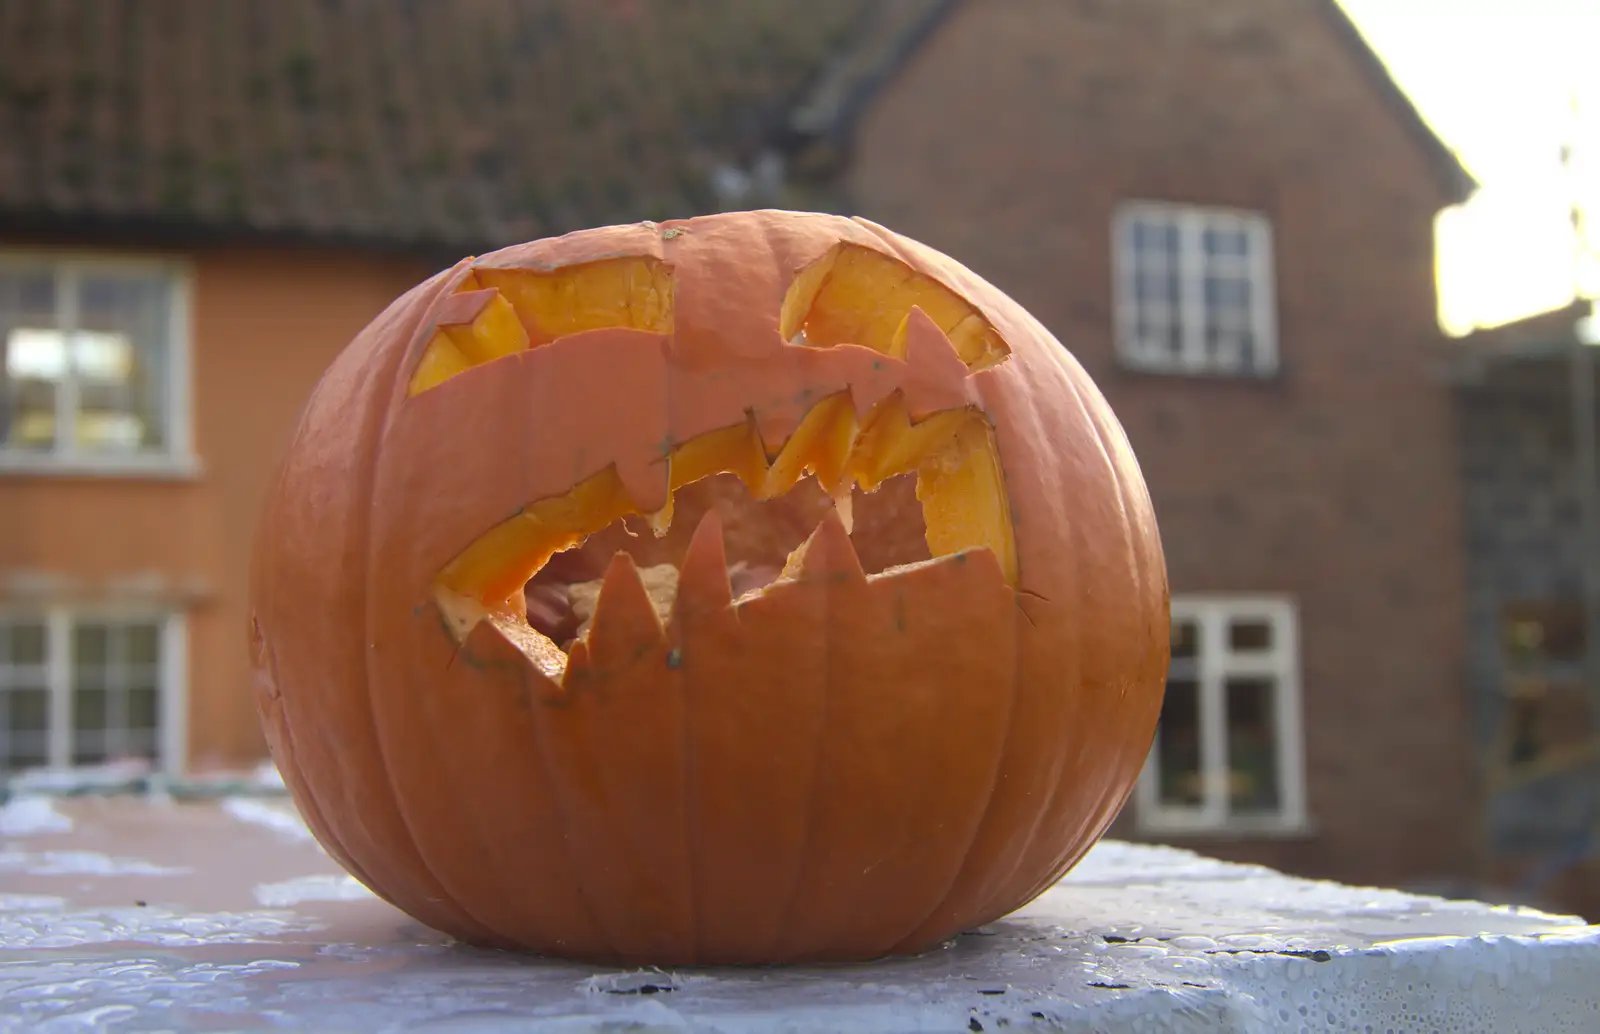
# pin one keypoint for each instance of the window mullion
(1213, 719)
(58, 674)
(173, 696)
(1290, 746)
(67, 315)
(115, 733)
(1191, 291)
(1263, 295)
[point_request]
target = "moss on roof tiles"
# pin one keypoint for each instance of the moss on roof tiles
(458, 122)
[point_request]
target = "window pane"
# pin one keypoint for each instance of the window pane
(1156, 287)
(27, 710)
(22, 643)
(120, 356)
(1228, 298)
(1156, 236)
(89, 748)
(1252, 745)
(143, 643)
(1249, 635)
(1178, 745)
(1220, 241)
(30, 367)
(90, 709)
(25, 751)
(143, 708)
(89, 644)
(140, 743)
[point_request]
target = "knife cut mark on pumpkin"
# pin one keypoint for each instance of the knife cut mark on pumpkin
(851, 295)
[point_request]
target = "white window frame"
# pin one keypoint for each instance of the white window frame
(1215, 662)
(1192, 221)
(177, 458)
(58, 621)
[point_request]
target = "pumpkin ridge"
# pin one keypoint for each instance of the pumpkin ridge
(911, 938)
(564, 805)
(372, 436)
(1093, 415)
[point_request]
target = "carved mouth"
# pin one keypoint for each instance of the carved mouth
(922, 425)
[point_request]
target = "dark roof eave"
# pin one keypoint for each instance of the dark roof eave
(185, 232)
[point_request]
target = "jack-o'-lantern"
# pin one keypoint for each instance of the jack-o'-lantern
(927, 708)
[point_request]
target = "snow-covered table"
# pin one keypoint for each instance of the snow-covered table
(145, 914)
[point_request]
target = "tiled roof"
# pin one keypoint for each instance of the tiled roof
(456, 123)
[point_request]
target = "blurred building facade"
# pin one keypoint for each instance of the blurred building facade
(1225, 210)
(1526, 399)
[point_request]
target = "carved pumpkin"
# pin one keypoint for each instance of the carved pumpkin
(909, 731)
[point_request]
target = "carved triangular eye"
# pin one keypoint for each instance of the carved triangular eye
(501, 311)
(857, 295)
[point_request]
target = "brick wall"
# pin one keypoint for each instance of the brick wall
(1007, 141)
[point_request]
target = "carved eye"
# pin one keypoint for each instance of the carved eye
(511, 310)
(858, 295)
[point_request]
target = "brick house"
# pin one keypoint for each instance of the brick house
(1224, 209)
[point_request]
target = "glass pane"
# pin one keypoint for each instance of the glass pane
(1252, 745)
(21, 751)
(1228, 297)
(27, 710)
(1249, 635)
(120, 355)
(89, 748)
(1178, 745)
(30, 364)
(89, 709)
(143, 708)
(22, 643)
(89, 644)
(1226, 242)
(140, 743)
(142, 644)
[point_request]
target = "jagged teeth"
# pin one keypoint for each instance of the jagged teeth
(631, 608)
(625, 615)
(844, 506)
(703, 584)
(827, 554)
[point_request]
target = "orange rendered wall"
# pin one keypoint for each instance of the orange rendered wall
(265, 325)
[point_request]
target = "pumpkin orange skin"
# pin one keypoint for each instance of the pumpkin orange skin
(847, 769)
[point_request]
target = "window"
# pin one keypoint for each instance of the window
(87, 688)
(93, 365)
(1228, 752)
(1194, 290)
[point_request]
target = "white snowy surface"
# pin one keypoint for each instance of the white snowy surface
(22, 815)
(145, 914)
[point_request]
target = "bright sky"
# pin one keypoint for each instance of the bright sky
(1497, 80)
